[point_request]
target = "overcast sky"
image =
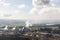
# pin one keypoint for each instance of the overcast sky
(22, 9)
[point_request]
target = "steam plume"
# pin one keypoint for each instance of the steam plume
(28, 24)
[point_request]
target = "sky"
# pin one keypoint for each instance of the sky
(14, 9)
(30, 10)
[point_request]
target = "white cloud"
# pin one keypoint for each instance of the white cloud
(12, 14)
(7, 11)
(0, 0)
(34, 11)
(48, 15)
(3, 3)
(43, 11)
(43, 3)
(22, 6)
(17, 11)
(6, 4)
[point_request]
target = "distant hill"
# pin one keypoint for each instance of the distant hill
(22, 22)
(12, 22)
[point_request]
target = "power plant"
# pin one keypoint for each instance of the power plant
(28, 32)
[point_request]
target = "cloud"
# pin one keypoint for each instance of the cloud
(0, 0)
(43, 3)
(7, 11)
(3, 3)
(7, 15)
(17, 11)
(22, 6)
(34, 11)
(12, 14)
(48, 15)
(43, 12)
(12, 11)
(6, 4)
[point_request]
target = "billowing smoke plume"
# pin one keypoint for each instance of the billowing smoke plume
(28, 24)
(6, 27)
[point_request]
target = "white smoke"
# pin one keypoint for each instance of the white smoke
(13, 28)
(28, 24)
(6, 27)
